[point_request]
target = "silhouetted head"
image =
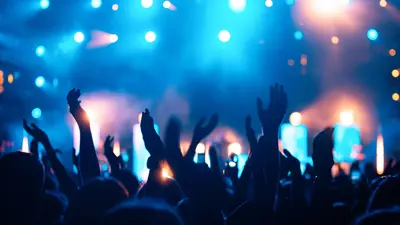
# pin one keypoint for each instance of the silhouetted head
(94, 199)
(340, 213)
(385, 216)
(386, 194)
(130, 181)
(143, 212)
(21, 188)
(53, 208)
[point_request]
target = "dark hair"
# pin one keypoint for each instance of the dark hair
(94, 199)
(143, 212)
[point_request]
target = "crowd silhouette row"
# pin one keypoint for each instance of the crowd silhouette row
(271, 189)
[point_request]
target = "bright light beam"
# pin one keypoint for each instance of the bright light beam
(380, 155)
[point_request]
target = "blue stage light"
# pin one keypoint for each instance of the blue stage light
(36, 113)
(96, 3)
(372, 34)
(44, 4)
(40, 81)
(298, 35)
(40, 50)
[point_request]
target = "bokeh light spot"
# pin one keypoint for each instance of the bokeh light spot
(150, 36)
(395, 73)
(224, 36)
(372, 34)
(36, 113)
(395, 97)
(40, 81)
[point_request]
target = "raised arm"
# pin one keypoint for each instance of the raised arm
(88, 161)
(66, 183)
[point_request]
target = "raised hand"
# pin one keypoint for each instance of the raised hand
(251, 137)
(214, 160)
(34, 148)
(151, 139)
(36, 133)
(293, 163)
(172, 144)
(323, 150)
(108, 146)
(109, 153)
(272, 116)
(200, 132)
(75, 158)
(73, 99)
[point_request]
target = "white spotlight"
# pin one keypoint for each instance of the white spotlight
(96, 3)
(224, 36)
(147, 3)
(237, 5)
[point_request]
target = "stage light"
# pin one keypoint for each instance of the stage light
(269, 3)
(395, 73)
(96, 3)
(335, 40)
(200, 148)
(295, 118)
(150, 36)
(10, 78)
(327, 6)
(346, 118)
(303, 60)
(147, 3)
(234, 148)
(36, 113)
(113, 38)
(40, 50)
(115, 7)
(372, 34)
(237, 5)
(79, 37)
(40, 81)
(224, 36)
(44, 4)
(167, 4)
(395, 97)
(291, 62)
(380, 155)
(298, 35)
(383, 3)
(345, 2)
(392, 52)
(290, 2)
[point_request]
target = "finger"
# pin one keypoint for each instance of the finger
(34, 126)
(248, 122)
(26, 127)
(111, 140)
(172, 138)
(73, 154)
(272, 95)
(200, 122)
(58, 151)
(78, 94)
(147, 112)
(287, 153)
(214, 159)
(260, 108)
(212, 124)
